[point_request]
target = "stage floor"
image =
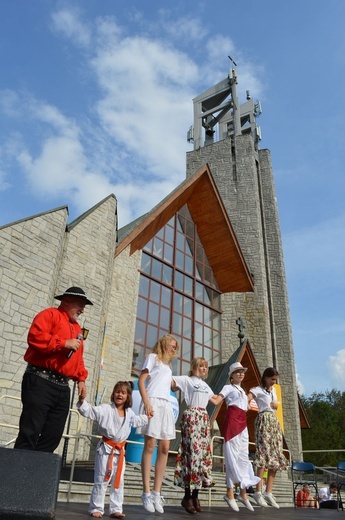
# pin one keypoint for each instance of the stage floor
(74, 511)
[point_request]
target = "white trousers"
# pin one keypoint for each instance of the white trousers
(100, 486)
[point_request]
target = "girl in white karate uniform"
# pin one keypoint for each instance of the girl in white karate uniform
(115, 421)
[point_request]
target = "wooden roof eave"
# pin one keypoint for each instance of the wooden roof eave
(218, 238)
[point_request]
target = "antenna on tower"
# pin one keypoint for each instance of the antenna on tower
(233, 61)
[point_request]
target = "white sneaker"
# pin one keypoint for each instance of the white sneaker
(231, 503)
(148, 502)
(158, 503)
(259, 499)
(245, 502)
(271, 500)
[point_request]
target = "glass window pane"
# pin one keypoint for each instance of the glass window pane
(166, 297)
(164, 318)
(187, 307)
(199, 291)
(145, 263)
(188, 285)
(180, 241)
(167, 274)
(198, 351)
(153, 313)
(207, 316)
(178, 302)
(155, 291)
(216, 320)
(156, 269)
(158, 247)
(179, 259)
(208, 355)
(177, 324)
(169, 233)
(208, 336)
(152, 336)
(186, 349)
(187, 327)
(140, 328)
(198, 312)
(144, 286)
(178, 282)
(216, 358)
(198, 333)
(168, 253)
(160, 233)
(148, 246)
(185, 367)
(142, 308)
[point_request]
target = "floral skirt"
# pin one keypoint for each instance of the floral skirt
(269, 443)
(194, 458)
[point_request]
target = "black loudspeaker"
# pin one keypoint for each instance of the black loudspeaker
(29, 483)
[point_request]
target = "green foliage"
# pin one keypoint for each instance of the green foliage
(326, 414)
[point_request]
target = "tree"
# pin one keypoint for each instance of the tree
(326, 414)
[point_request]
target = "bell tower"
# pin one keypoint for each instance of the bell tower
(226, 136)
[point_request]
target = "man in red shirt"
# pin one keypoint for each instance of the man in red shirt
(54, 356)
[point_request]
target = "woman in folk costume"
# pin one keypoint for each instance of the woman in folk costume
(236, 439)
(194, 458)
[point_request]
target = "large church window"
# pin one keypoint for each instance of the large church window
(178, 294)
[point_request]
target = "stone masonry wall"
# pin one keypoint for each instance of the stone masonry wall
(30, 257)
(280, 305)
(121, 320)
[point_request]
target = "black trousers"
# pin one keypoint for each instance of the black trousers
(45, 410)
(329, 504)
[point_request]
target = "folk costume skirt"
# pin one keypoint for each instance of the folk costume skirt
(194, 459)
(269, 443)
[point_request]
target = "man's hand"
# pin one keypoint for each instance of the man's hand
(73, 344)
(81, 391)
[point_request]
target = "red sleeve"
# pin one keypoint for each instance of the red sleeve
(48, 331)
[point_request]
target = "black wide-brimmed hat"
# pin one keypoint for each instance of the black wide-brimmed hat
(74, 291)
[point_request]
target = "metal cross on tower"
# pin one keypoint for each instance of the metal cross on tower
(241, 327)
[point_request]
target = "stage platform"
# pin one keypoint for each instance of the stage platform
(74, 511)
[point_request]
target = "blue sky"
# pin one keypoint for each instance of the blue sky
(96, 98)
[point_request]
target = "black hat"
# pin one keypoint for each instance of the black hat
(74, 291)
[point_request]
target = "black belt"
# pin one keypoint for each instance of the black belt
(46, 373)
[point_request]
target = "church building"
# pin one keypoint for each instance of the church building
(206, 265)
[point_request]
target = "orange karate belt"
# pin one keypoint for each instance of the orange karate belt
(120, 446)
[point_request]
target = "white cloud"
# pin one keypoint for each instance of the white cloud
(132, 140)
(68, 22)
(300, 387)
(336, 369)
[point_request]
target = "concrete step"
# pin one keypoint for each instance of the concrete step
(80, 491)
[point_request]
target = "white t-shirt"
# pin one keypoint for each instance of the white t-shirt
(234, 395)
(264, 398)
(196, 392)
(159, 379)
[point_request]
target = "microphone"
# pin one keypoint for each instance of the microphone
(80, 336)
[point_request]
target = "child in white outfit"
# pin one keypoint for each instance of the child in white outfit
(154, 387)
(115, 421)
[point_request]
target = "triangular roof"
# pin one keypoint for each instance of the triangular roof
(216, 233)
